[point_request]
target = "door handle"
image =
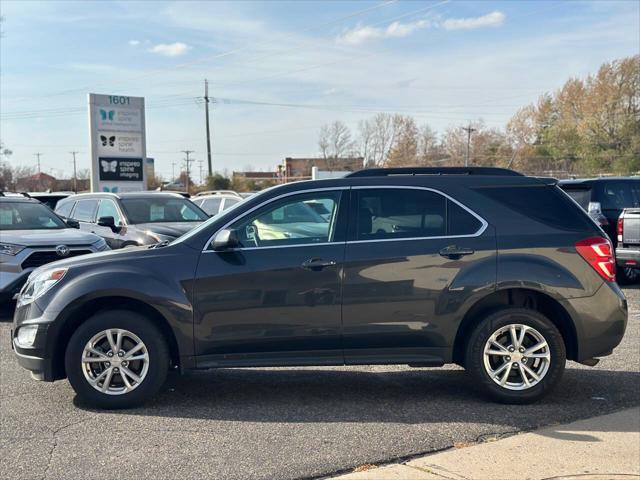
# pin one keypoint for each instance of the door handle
(317, 264)
(455, 253)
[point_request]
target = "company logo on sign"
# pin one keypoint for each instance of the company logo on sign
(107, 114)
(109, 166)
(121, 169)
(111, 140)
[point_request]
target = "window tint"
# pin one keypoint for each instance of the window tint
(211, 205)
(401, 213)
(64, 209)
(290, 221)
(616, 195)
(85, 210)
(543, 203)
(460, 221)
(108, 209)
(581, 196)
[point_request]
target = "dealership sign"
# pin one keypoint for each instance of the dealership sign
(118, 147)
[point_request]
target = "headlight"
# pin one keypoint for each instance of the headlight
(27, 335)
(100, 245)
(11, 249)
(39, 283)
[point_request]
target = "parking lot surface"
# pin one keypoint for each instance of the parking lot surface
(284, 423)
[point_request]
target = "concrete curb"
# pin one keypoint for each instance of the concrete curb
(599, 448)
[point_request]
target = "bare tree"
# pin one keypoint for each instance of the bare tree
(335, 143)
(377, 137)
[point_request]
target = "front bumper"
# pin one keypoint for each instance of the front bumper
(628, 257)
(35, 357)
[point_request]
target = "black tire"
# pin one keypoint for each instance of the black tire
(474, 354)
(142, 327)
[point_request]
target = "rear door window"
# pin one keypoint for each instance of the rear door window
(85, 210)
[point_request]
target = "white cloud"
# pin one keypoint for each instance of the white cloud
(493, 19)
(362, 34)
(170, 49)
(134, 43)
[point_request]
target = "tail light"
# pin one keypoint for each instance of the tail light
(598, 253)
(620, 226)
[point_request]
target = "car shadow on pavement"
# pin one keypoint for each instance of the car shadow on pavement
(405, 396)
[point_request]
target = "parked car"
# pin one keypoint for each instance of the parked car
(512, 281)
(50, 199)
(604, 199)
(214, 204)
(132, 219)
(628, 236)
(31, 235)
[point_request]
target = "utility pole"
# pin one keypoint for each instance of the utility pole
(173, 172)
(206, 107)
(38, 156)
(469, 131)
(200, 166)
(75, 178)
(188, 163)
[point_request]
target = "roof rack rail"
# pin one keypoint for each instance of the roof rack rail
(385, 172)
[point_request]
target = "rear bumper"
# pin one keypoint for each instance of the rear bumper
(628, 257)
(600, 321)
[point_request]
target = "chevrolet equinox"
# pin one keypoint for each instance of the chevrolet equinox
(500, 273)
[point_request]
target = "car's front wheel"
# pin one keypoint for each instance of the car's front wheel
(116, 359)
(515, 355)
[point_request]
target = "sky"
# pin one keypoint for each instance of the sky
(278, 71)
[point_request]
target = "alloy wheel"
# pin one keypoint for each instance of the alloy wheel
(115, 361)
(517, 357)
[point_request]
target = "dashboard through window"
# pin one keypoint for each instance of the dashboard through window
(294, 220)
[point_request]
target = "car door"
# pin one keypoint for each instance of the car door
(85, 213)
(276, 299)
(413, 258)
(115, 239)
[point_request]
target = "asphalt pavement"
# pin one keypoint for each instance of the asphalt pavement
(284, 423)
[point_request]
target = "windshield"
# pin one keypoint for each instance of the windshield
(161, 210)
(581, 196)
(616, 195)
(28, 216)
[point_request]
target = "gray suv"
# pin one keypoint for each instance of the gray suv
(31, 235)
(500, 273)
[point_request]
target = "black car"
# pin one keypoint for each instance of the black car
(500, 273)
(132, 219)
(604, 199)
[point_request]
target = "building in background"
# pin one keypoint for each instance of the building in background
(38, 182)
(295, 169)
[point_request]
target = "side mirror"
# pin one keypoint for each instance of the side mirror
(107, 222)
(225, 239)
(71, 223)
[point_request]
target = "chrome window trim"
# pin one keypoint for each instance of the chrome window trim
(480, 231)
(267, 202)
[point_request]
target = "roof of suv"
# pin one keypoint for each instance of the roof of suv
(588, 181)
(145, 194)
(18, 199)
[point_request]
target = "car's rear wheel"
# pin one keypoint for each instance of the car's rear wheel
(515, 355)
(117, 359)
